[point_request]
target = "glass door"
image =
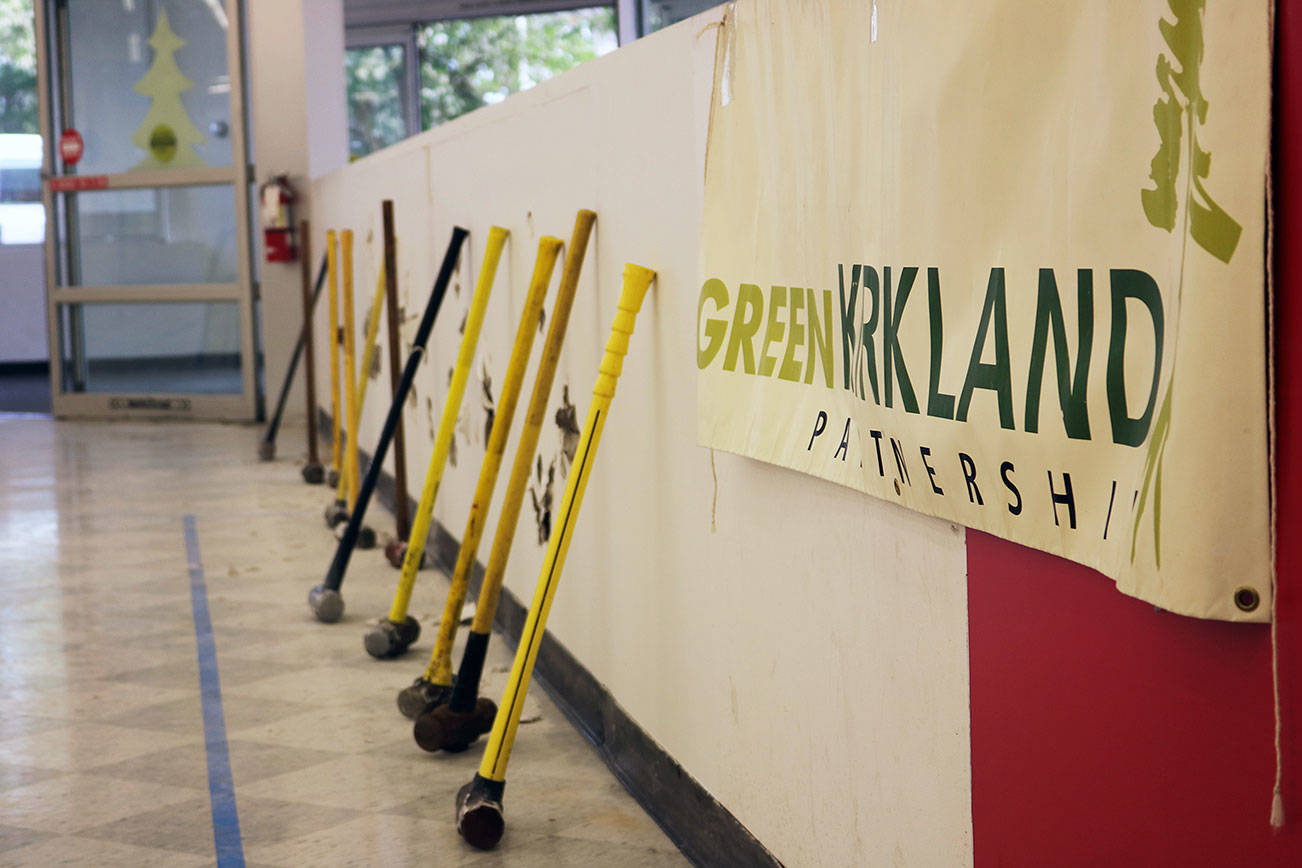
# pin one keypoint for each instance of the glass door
(147, 252)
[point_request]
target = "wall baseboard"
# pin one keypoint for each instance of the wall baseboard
(702, 828)
(34, 368)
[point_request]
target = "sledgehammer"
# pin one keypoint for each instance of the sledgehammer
(479, 803)
(324, 599)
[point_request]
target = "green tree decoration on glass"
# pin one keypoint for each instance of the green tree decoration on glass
(166, 135)
(1178, 114)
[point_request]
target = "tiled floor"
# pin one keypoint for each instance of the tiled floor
(102, 750)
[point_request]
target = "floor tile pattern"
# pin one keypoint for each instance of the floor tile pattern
(102, 757)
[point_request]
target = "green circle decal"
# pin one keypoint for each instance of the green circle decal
(162, 143)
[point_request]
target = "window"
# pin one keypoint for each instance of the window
(17, 67)
(20, 185)
(22, 216)
(468, 63)
(460, 65)
(657, 14)
(378, 114)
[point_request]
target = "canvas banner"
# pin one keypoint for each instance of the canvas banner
(1004, 262)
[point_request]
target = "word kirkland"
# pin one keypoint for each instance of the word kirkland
(871, 352)
(852, 341)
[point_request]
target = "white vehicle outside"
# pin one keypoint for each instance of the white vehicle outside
(22, 216)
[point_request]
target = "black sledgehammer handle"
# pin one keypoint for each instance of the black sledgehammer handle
(274, 426)
(465, 688)
(335, 575)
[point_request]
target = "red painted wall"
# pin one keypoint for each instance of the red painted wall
(1107, 732)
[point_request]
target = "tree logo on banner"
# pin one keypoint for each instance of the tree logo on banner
(1177, 115)
(166, 135)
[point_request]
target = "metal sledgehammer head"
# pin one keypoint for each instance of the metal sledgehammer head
(365, 537)
(336, 513)
(441, 728)
(395, 550)
(479, 812)
(389, 639)
(326, 603)
(420, 696)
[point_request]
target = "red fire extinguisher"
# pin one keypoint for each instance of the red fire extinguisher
(277, 198)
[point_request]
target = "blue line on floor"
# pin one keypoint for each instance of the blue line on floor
(221, 786)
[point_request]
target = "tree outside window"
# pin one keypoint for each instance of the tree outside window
(17, 68)
(22, 216)
(377, 112)
(468, 63)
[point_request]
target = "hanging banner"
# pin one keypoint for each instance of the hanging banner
(1003, 262)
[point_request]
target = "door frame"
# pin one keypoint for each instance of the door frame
(245, 406)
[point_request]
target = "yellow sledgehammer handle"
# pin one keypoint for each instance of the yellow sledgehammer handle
(350, 367)
(447, 423)
(637, 280)
(336, 421)
(491, 588)
(439, 670)
(368, 361)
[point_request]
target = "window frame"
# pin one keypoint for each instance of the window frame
(369, 26)
(399, 34)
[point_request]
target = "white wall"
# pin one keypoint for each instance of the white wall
(802, 651)
(297, 109)
(22, 303)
